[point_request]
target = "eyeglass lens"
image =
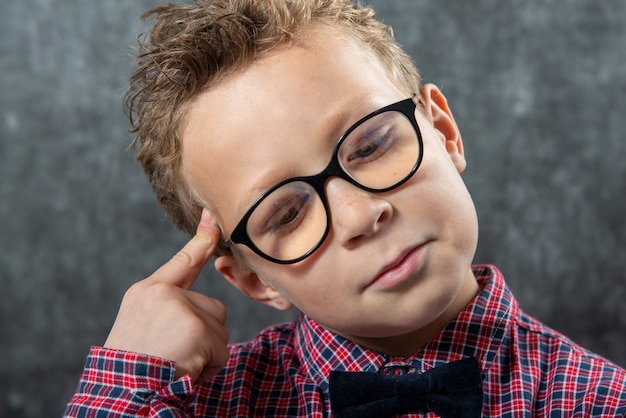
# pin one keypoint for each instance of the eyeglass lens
(377, 154)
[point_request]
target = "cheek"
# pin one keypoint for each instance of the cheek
(459, 218)
(467, 219)
(299, 283)
(313, 287)
(439, 197)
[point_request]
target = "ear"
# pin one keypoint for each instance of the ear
(437, 111)
(250, 284)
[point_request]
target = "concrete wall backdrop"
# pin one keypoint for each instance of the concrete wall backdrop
(538, 89)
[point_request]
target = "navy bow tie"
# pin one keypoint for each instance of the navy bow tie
(450, 390)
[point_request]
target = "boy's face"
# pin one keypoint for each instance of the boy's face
(393, 262)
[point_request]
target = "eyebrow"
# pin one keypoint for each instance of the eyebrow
(254, 193)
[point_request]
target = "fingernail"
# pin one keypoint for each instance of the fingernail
(207, 219)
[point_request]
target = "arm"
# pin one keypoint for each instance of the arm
(161, 318)
(119, 383)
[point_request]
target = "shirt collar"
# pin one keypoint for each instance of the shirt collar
(477, 332)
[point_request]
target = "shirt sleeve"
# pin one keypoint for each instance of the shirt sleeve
(122, 384)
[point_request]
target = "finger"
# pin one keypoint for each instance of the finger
(212, 311)
(219, 357)
(183, 269)
(208, 304)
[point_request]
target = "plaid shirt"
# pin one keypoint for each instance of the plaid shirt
(528, 370)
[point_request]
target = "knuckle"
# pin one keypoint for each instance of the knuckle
(206, 240)
(161, 291)
(196, 327)
(186, 258)
(136, 290)
(149, 291)
(193, 330)
(219, 310)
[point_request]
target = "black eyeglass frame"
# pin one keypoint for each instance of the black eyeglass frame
(317, 181)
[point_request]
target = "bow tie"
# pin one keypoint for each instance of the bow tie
(450, 390)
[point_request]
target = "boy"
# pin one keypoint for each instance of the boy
(296, 140)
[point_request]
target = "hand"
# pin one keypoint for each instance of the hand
(160, 316)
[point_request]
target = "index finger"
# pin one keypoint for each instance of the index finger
(183, 269)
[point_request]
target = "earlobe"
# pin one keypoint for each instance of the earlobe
(437, 111)
(250, 284)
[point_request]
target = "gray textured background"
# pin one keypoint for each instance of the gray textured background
(538, 90)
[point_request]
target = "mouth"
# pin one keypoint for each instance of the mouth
(400, 269)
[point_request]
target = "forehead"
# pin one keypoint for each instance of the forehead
(278, 118)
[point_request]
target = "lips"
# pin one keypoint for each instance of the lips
(400, 269)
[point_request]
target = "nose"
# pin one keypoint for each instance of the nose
(356, 214)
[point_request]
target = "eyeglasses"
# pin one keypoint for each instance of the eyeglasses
(292, 219)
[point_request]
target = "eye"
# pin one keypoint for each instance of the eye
(289, 214)
(369, 147)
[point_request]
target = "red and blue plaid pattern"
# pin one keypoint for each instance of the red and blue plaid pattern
(528, 370)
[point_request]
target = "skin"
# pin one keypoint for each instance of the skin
(283, 114)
